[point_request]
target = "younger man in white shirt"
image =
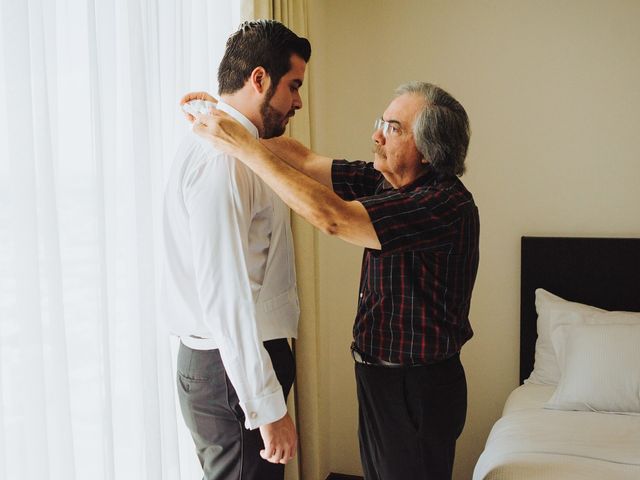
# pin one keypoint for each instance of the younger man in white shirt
(229, 286)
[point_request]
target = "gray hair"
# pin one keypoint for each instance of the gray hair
(441, 130)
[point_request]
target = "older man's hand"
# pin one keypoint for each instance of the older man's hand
(195, 96)
(225, 133)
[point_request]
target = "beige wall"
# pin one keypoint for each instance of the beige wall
(553, 92)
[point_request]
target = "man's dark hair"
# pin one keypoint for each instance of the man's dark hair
(260, 43)
(441, 130)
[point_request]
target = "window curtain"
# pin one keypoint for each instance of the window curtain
(304, 401)
(89, 121)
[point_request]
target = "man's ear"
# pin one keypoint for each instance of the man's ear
(259, 80)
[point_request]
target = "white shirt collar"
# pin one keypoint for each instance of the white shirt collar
(225, 107)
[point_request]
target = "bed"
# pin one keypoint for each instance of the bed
(576, 414)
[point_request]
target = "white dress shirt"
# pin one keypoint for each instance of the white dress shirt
(229, 280)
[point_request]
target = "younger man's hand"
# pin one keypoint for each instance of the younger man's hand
(280, 440)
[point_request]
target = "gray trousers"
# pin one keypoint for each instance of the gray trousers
(211, 411)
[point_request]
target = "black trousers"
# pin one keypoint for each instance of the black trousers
(410, 419)
(211, 410)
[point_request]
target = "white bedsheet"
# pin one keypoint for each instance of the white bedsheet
(530, 442)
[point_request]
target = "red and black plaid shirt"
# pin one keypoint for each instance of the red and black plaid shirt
(415, 292)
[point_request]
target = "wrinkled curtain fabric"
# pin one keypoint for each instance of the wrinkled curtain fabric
(89, 122)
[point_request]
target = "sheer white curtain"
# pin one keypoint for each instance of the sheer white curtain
(88, 125)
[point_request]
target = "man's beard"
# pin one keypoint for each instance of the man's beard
(272, 120)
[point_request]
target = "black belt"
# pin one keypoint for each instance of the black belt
(364, 359)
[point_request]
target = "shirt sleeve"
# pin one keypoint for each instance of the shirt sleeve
(218, 198)
(352, 180)
(406, 221)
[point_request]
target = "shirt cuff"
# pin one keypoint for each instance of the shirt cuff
(263, 410)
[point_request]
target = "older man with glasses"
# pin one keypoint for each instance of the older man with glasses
(420, 227)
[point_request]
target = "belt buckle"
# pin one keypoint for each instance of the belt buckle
(357, 357)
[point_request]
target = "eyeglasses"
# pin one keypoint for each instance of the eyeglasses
(388, 128)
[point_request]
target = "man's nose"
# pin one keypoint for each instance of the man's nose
(378, 137)
(297, 101)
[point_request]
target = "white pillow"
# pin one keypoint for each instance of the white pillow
(600, 367)
(545, 368)
(554, 311)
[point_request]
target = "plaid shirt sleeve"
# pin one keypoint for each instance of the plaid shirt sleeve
(352, 180)
(425, 219)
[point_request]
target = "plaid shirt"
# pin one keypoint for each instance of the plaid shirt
(415, 292)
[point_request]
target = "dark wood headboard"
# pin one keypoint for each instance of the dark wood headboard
(603, 272)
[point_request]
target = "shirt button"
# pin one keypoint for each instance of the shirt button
(253, 415)
(361, 295)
